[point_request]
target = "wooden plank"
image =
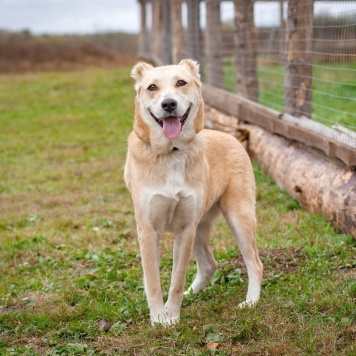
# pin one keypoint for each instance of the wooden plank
(342, 135)
(271, 120)
(222, 100)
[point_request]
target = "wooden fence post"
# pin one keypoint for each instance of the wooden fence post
(246, 56)
(177, 30)
(194, 29)
(156, 30)
(166, 32)
(213, 38)
(298, 69)
(282, 32)
(143, 31)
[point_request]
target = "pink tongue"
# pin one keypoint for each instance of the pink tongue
(171, 127)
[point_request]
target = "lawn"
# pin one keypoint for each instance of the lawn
(71, 279)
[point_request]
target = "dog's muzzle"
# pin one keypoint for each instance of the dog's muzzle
(172, 125)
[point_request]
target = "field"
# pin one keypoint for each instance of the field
(24, 52)
(71, 280)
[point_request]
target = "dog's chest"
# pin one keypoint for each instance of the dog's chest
(171, 204)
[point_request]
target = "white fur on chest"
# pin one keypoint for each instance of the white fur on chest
(171, 204)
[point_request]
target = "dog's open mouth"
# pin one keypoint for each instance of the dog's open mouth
(172, 125)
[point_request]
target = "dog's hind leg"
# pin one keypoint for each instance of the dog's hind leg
(201, 251)
(239, 211)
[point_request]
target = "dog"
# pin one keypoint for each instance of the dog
(181, 177)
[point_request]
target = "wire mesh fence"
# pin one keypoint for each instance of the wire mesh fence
(333, 62)
(297, 56)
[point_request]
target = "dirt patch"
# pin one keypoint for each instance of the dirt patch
(29, 303)
(347, 271)
(281, 260)
(345, 338)
(287, 261)
(284, 260)
(11, 309)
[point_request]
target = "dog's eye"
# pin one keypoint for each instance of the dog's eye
(152, 87)
(181, 83)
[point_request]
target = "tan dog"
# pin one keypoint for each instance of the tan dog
(181, 177)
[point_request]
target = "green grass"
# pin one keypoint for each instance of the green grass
(334, 90)
(69, 251)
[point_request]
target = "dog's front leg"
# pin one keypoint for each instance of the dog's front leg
(182, 252)
(150, 256)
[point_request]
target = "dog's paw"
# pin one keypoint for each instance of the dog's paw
(172, 312)
(158, 317)
(247, 304)
(164, 319)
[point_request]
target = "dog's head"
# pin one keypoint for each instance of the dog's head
(169, 103)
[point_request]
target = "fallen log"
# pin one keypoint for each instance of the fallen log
(321, 185)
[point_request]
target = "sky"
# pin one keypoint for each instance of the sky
(92, 16)
(69, 16)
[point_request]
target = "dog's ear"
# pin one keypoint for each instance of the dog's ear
(138, 72)
(192, 66)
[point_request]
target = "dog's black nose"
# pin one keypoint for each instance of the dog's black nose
(169, 105)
